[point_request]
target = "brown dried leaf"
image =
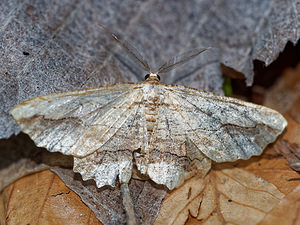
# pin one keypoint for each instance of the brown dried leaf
(289, 144)
(228, 195)
(285, 94)
(54, 203)
(19, 157)
(287, 212)
(261, 180)
(106, 202)
(272, 167)
(56, 46)
(42, 198)
(285, 97)
(295, 110)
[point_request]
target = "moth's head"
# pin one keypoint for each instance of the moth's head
(152, 77)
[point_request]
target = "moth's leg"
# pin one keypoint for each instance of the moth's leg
(128, 204)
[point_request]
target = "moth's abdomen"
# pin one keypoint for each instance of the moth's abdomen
(151, 112)
(152, 99)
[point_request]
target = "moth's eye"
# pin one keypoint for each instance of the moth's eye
(158, 77)
(147, 76)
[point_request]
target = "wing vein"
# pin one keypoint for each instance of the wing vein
(183, 118)
(118, 119)
(223, 126)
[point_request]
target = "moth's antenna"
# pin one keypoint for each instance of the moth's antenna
(129, 48)
(180, 59)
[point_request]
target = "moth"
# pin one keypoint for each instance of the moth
(168, 132)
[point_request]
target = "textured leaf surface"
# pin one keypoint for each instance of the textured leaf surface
(230, 195)
(286, 212)
(54, 203)
(285, 97)
(19, 157)
(106, 203)
(242, 194)
(285, 93)
(42, 198)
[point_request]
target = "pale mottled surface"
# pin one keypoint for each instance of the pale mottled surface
(170, 132)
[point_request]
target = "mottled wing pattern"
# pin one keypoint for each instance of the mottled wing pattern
(105, 166)
(78, 122)
(223, 128)
(106, 129)
(115, 158)
(156, 157)
(172, 156)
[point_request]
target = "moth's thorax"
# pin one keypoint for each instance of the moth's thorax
(152, 98)
(152, 78)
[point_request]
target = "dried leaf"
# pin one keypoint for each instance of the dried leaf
(51, 47)
(269, 172)
(285, 97)
(272, 167)
(42, 198)
(54, 203)
(228, 195)
(106, 202)
(287, 212)
(289, 144)
(19, 157)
